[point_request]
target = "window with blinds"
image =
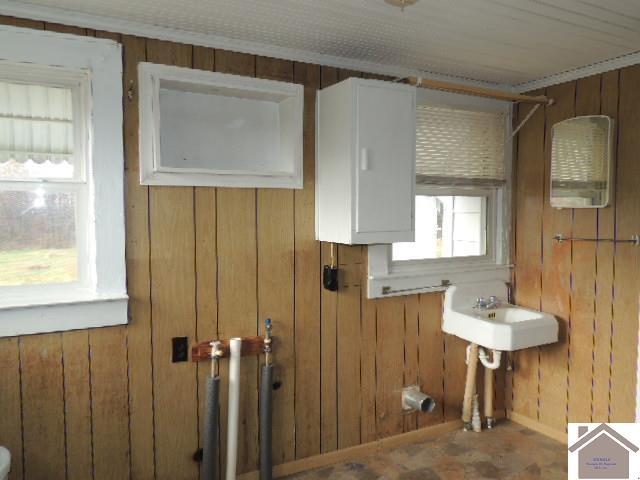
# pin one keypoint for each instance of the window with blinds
(36, 131)
(42, 191)
(459, 147)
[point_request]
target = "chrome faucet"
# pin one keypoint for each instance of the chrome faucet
(487, 303)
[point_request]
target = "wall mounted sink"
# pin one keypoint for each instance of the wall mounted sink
(505, 327)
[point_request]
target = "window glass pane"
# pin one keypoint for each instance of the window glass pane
(38, 237)
(36, 132)
(446, 227)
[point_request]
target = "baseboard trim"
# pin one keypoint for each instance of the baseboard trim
(359, 451)
(537, 427)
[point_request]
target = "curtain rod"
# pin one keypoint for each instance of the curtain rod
(479, 91)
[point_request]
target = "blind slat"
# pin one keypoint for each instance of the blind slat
(36, 123)
(459, 144)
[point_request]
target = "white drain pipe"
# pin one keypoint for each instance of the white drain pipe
(235, 346)
(484, 358)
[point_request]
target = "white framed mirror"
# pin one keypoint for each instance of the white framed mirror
(581, 162)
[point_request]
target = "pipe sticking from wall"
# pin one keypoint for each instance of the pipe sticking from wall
(235, 345)
(414, 399)
(265, 423)
(210, 444)
(266, 467)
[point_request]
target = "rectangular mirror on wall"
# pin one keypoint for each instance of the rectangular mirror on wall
(581, 162)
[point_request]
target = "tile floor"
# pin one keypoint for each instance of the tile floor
(509, 451)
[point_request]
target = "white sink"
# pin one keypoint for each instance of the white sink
(506, 328)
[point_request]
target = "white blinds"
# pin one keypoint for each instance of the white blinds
(36, 123)
(456, 146)
(580, 149)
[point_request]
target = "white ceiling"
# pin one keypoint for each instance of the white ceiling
(499, 41)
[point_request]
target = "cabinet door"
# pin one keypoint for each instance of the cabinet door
(385, 162)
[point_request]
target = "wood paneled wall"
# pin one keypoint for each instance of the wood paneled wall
(593, 288)
(202, 262)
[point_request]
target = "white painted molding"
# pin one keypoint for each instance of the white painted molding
(100, 61)
(279, 151)
(62, 317)
(586, 71)
(67, 17)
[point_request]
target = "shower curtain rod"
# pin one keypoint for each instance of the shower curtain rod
(479, 91)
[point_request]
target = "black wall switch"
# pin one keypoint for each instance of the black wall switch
(179, 349)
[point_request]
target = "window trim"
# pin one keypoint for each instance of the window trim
(387, 278)
(104, 301)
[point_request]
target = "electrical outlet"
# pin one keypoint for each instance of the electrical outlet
(179, 349)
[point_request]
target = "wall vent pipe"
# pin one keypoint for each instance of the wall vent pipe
(414, 399)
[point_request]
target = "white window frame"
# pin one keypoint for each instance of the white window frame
(387, 278)
(291, 105)
(94, 66)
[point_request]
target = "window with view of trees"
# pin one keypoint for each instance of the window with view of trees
(62, 264)
(41, 184)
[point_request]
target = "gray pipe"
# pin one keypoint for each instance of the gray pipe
(265, 423)
(211, 419)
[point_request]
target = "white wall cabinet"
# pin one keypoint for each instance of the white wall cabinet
(214, 129)
(365, 162)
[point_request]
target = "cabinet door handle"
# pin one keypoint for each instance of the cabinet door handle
(364, 159)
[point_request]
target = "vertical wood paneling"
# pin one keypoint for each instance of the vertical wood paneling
(172, 246)
(583, 275)
(307, 281)
(11, 403)
(528, 245)
(276, 243)
(328, 365)
(454, 376)
(139, 346)
(348, 346)
(328, 332)
(43, 407)
(389, 365)
(431, 355)
(206, 261)
(556, 273)
(598, 308)
(237, 304)
(237, 284)
(368, 369)
(77, 404)
(604, 272)
(411, 341)
(627, 268)
(275, 301)
(109, 403)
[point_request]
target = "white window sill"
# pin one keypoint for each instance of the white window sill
(432, 279)
(73, 313)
